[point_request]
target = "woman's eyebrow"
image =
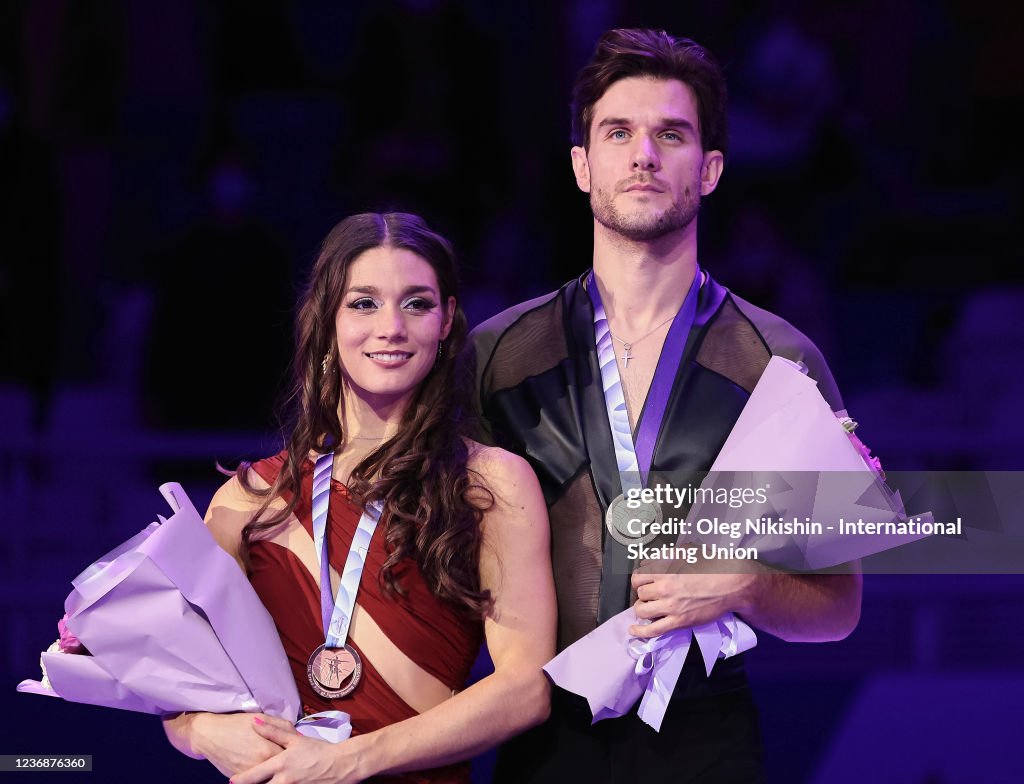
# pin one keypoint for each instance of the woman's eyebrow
(413, 289)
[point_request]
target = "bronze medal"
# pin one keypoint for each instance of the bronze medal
(334, 672)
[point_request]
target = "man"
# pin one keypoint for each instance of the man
(649, 141)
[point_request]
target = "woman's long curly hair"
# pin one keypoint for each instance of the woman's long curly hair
(431, 507)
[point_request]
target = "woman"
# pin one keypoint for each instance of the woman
(461, 544)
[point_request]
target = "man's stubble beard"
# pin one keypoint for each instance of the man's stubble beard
(644, 227)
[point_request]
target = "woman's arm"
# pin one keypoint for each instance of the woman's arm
(515, 564)
(228, 741)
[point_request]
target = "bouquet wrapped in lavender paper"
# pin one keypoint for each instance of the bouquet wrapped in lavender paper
(788, 443)
(167, 622)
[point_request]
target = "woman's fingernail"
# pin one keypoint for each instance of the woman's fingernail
(258, 720)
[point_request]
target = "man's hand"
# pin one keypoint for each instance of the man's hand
(675, 601)
(793, 607)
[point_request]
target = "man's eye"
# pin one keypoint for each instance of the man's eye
(672, 136)
(618, 135)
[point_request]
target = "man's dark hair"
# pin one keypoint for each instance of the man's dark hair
(623, 53)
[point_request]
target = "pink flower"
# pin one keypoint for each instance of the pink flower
(873, 462)
(68, 642)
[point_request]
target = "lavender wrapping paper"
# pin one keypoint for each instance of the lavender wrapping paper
(786, 430)
(787, 437)
(173, 624)
(613, 670)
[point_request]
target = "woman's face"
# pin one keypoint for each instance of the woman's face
(389, 324)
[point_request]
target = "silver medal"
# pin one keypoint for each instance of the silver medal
(631, 522)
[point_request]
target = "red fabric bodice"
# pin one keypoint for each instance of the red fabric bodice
(431, 632)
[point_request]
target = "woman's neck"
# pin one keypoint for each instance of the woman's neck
(370, 417)
(366, 423)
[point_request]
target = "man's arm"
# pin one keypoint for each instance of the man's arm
(794, 607)
(484, 349)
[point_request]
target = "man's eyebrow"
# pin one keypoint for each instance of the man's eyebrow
(665, 122)
(614, 121)
(677, 122)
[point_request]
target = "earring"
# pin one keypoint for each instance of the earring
(440, 350)
(326, 362)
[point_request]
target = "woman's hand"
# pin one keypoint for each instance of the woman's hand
(304, 759)
(228, 740)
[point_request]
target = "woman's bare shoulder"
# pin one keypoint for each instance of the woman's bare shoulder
(236, 495)
(503, 473)
(495, 462)
(233, 507)
(515, 521)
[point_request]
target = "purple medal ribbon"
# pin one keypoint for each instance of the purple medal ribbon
(638, 456)
(337, 611)
(335, 668)
(322, 473)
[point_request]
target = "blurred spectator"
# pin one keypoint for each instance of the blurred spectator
(761, 265)
(422, 135)
(790, 90)
(31, 318)
(221, 328)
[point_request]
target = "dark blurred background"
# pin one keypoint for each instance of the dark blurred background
(168, 170)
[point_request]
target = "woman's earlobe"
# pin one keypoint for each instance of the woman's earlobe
(449, 318)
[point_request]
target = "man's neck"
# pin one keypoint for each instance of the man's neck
(642, 283)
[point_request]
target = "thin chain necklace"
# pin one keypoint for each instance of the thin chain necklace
(628, 344)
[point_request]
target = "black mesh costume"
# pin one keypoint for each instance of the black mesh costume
(538, 392)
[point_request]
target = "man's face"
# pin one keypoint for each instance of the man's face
(645, 170)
